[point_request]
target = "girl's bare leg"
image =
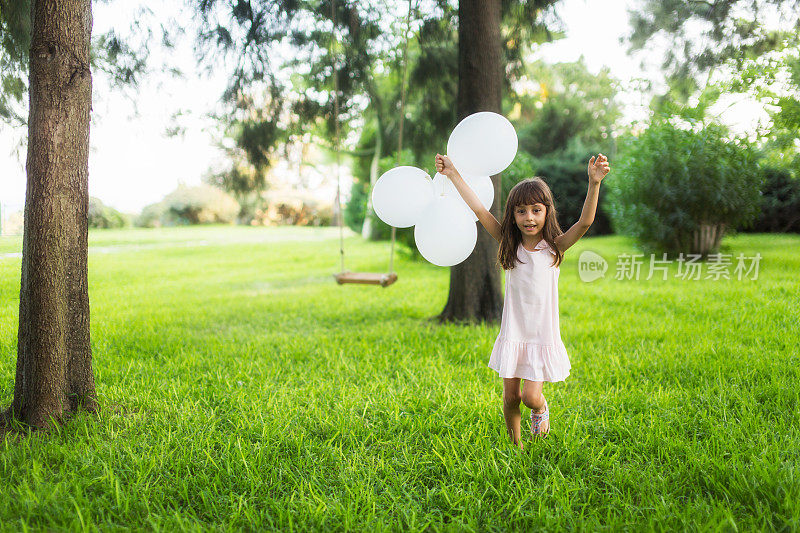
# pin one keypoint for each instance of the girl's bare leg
(533, 398)
(511, 412)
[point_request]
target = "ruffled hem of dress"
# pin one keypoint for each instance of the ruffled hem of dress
(529, 361)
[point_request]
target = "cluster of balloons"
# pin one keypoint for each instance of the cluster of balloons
(480, 146)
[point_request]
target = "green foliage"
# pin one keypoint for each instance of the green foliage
(570, 118)
(523, 167)
(201, 204)
(242, 180)
(302, 102)
(669, 181)
(780, 202)
(571, 103)
(356, 208)
(717, 48)
(123, 59)
(103, 216)
(15, 41)
(365, 59)
(565, 172)
(774, 81)
(705, 35)
(432, 89)
(152, 216)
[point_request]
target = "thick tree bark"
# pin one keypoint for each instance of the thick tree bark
(54, 360)
(475, 288)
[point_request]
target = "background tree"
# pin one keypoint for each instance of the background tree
(748, 47)
(15, 41)
(475, 292)
(564, 114)
(431, 90)
(47, 54)
(123, 60)
(721, 47)
(680, 190)
(483, 73)
(358, 48)
(366, 56)
(54, 374)
(702, 38)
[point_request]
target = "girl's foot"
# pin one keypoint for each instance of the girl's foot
(540, 422)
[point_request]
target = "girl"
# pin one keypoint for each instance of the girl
(532, 246)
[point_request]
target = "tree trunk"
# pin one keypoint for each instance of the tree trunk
(475, 289)
(706, 238)
(54, 360)
(368, 230)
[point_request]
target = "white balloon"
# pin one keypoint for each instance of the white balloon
(483, 144)
(401, 195)
(445, 235)
(480, 185)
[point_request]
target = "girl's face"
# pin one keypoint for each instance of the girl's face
(530, 219)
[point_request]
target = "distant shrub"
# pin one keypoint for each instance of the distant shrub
(13, 223)
(521, 168)
(103, 216)
(152, 216)
(565, 172)
(675, 190)
(356, 208)
(780, 202)
(285, 208)
(200, 204)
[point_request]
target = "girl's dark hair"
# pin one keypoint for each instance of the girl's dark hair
(527, 192)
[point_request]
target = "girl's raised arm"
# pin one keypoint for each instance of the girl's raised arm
(445, 166)
(598, 168)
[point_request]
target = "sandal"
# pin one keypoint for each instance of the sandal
(537, 419)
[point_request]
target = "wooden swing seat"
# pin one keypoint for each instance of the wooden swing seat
(366, 278)
(345, 276)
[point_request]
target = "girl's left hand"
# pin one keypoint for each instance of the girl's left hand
(598, 168)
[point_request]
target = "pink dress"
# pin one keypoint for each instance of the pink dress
(529, 344)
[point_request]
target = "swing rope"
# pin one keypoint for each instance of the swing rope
(402, 116)
(336, 131)
(383, 280)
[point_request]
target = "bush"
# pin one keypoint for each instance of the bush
(565, 172)
(201, 204)
(151, 216)
(521, 168)
(103, 216)
(780, 202)
(285, 208)
(356, 208)
(675, 190)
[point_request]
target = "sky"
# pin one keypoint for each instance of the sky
(133, 162)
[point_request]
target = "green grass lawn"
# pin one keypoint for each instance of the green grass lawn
(243, 389)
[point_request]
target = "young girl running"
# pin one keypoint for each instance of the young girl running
(532, 246)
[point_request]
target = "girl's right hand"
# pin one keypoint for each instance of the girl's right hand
(444, 166)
